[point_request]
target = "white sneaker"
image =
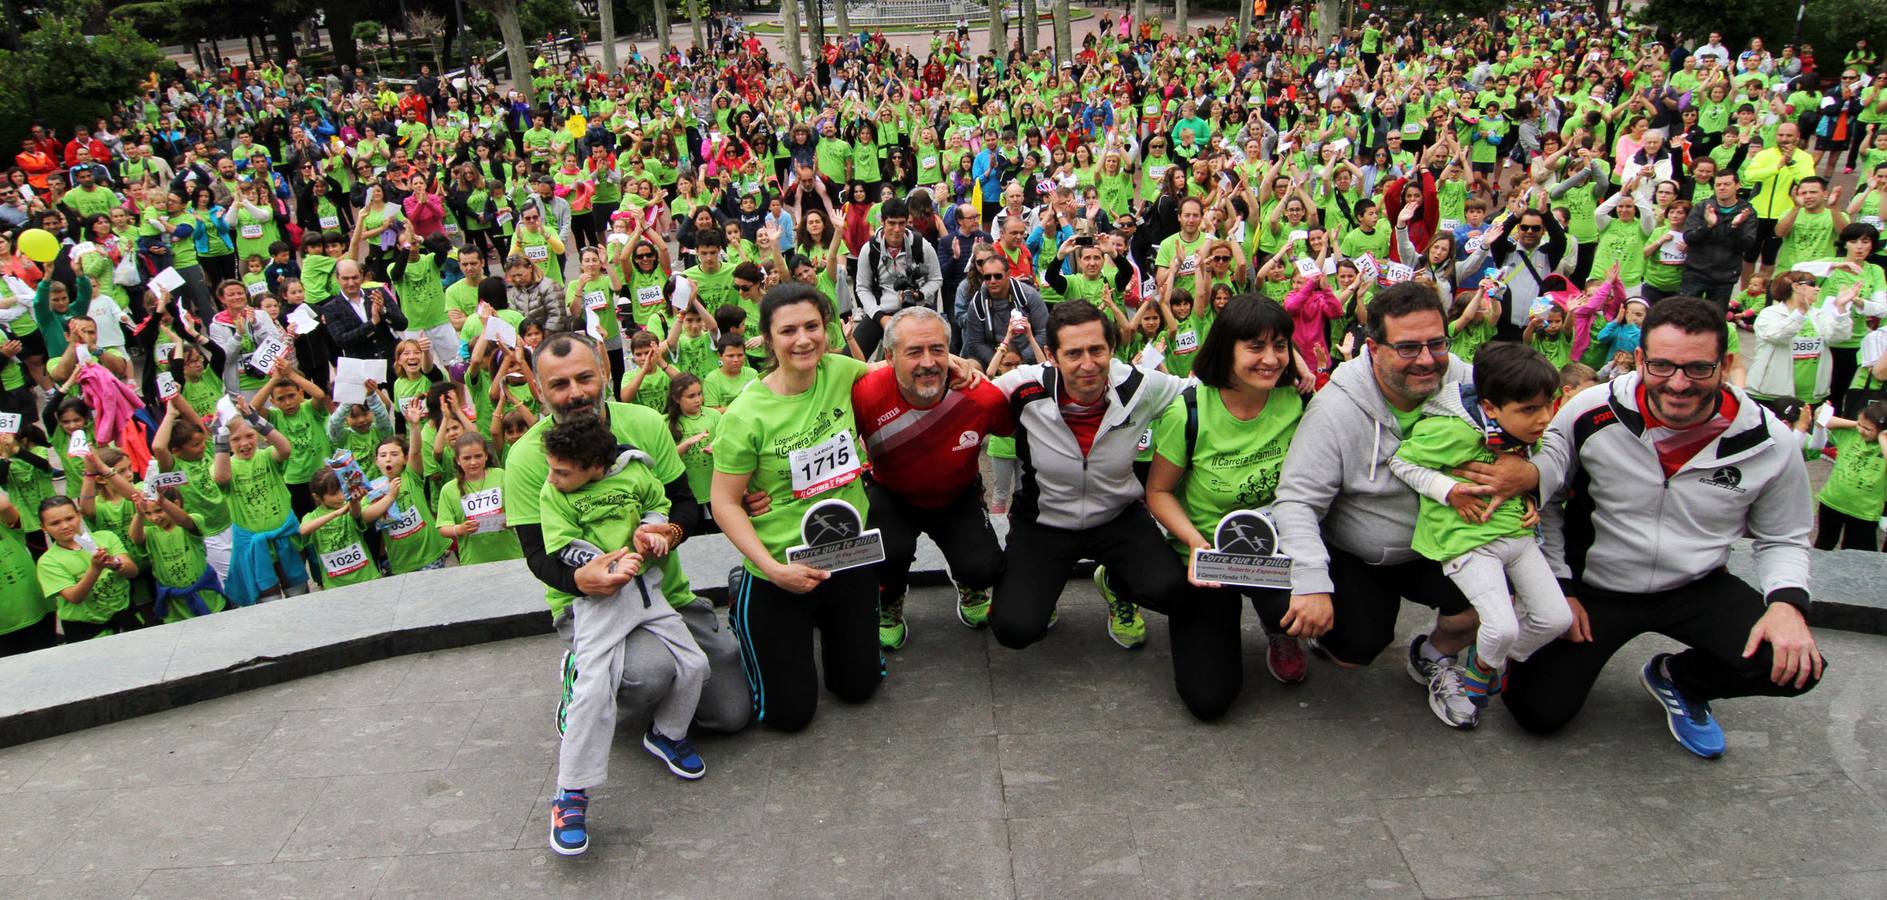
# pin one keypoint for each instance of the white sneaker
(1449, 700)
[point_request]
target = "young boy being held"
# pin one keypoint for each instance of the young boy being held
(602, 502)
(1504, 410)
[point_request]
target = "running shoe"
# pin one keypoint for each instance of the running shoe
(1690, 720)
(1421, 669)
(1449, 699)
(569, 833)
(1284, 656)
(892, 632)
(1124, 624)
(973, 607)
(678, 753)
(569, 688)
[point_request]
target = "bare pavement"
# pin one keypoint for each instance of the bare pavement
(1068, 770)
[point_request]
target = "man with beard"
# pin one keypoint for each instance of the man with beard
(1347, 524)
(1720, 468)
(573, 377)
(923, 439)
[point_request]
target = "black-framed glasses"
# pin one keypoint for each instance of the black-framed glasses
(1695, 371)
(1412, 349)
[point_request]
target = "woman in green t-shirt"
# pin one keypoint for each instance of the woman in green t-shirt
(790, 435)
(472, 506)
(1217, 451)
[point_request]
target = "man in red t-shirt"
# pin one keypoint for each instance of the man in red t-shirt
(923, 440)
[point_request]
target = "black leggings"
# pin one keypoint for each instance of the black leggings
(960, 529)
(37, 636)
(583, 228)
(1367, 598)
(870, 331)
(479, 240)
(1038, 558)
(1843, 363)
(217, 269)
(1712, 616)
(124, 620)
(775, 629)
(1208, 650)
(1840, 530)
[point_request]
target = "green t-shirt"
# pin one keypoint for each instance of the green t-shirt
(307, 433)
(1812, 238)
(1857, 486)
(341, 551)
(60, 568)
(1558, 350)
(422, 294)
(698, 461)
(603, 513)
(799, 449)
(718, 389)
(1873, 281)
(411, 540)
(1441, 443)
(716, 290)
(695, 355)
(257, 491)
(22, 602)
(28, 485)
(526, 472)
(487, 499)
(203, 498)
(1235, 462)
(177, 559)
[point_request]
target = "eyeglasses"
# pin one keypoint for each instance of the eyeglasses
(1412, 349)
(1695, 371)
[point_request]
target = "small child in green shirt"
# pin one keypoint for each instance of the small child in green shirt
(1551, 334)
(726, 382)
(601, 503)
(1504, 410)
(333, 531)
(1851, 502)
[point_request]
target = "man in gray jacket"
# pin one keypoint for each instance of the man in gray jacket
(1078, 428)
(1660, 472)
(1347, 523)
(988, 316)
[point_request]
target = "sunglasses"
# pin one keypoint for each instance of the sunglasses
(995, 276)
(744, 285)
(1529, 227)
(1219, 259)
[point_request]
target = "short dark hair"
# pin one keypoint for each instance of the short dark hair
(1398, 300)
(1690, 315)
(1512, 372)
(894, 208)
(1069, 315)
(1857, 231)
(1247, 317)
(729, 316)
(581, 440)
(748, 271)
(706, 239)
(790, 294)
(726, 341)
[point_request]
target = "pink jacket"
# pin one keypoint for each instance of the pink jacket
(426, 217)
(1312, 307)
(1602, 304)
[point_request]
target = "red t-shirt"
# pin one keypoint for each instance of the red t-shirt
(926, 456)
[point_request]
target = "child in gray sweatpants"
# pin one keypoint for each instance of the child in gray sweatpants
(597, 502)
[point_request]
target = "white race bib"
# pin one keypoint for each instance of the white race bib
(829, 464)
(167, 386)
(164, 352)
(406, 525)
(250, 232)
(1673, 252)
(503, 217)
(488, 502)
(175, 479)
(1185, 342)
(258, 288)
(327, 222)
(595, 300)
(536, 252)
(1800, 348)
(345, 561)
(649, 296)
(1189, 264)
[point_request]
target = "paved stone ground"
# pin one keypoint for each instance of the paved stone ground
(1067, 770)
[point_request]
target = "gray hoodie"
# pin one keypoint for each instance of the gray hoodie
(1336, 486)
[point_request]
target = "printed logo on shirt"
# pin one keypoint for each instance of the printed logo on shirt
(969, 440)
(1730, 478)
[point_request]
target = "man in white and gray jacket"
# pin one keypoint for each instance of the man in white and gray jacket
(896, 268)
(1651, 479)
(1078, 429)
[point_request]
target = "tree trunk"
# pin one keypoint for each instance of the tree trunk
(998, 28)
(700, 31)
(789, 34)
(662, 35)
(816, 27)
(606, 28)
(841, 20)
(1140, 15)
(1329, 17)
(1244, 21)
(249, 42)
(517, 53)
(284, 39)
(1064, 40)
(1030, 25)
(341, 18)
(1180, 14)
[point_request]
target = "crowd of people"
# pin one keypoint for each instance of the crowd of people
(1525, 319)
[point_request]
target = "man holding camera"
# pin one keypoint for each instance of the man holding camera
(896, 269)
(1003, 308)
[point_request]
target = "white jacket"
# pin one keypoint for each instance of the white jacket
(1772, 371)
(1614, 522)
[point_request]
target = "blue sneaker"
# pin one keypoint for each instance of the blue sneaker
(569, 835)
(1690, 720)
(678, 753)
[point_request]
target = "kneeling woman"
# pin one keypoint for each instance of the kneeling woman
(790, 435)
(1242, 416)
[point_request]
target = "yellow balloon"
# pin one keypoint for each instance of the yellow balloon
(39, 245)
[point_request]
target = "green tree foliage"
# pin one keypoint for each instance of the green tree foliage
(76, 76)
(1831, 26)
